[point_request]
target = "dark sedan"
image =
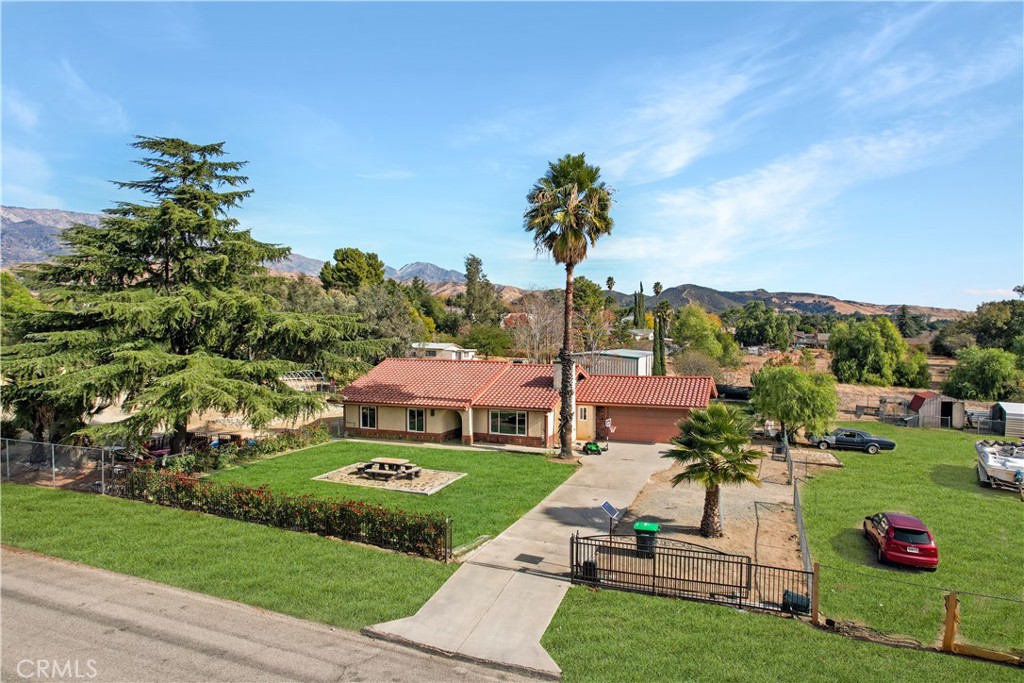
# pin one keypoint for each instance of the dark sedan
(854, 439)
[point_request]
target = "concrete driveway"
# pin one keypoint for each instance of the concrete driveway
(63, 620)
(497, 606)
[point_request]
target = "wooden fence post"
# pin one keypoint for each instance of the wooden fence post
(952, 619)
(815, 580)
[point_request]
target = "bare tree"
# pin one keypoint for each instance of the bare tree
(536, 325)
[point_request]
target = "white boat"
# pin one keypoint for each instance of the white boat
(1001, 464)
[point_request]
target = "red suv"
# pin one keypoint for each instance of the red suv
(902, 539)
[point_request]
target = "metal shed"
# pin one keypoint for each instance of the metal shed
(1012, 416)
(936, 410)
(617, 361)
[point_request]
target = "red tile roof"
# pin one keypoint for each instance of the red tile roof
(424, 382)
(650, 391)
(460, 384)
(524, 386)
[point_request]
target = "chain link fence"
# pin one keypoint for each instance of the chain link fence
(82, 468)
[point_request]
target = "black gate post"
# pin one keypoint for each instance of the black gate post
(572, 557)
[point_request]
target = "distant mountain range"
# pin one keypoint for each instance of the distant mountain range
(716, 301)
(32, 236)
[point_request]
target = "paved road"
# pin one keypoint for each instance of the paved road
(104, 626)
(497, 606)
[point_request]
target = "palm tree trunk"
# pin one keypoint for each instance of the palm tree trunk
(711, 522)
(565, 413)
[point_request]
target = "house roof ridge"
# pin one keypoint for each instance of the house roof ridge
(490, 383)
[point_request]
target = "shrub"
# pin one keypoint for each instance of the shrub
(985, 375)
(209, 459)
(428, 535)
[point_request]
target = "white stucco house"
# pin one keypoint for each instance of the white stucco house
(444, 351)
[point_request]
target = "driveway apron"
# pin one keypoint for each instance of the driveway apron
(496, 607)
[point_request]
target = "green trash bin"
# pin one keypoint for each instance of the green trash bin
(646, 538)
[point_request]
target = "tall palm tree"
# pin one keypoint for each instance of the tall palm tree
(713, 444)
(569, 208)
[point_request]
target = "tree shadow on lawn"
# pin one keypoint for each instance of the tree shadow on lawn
(960, 478)
(851, 545)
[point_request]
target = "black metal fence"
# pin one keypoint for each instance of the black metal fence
(672, 568)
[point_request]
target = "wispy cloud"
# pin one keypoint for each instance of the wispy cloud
(26, 179)
(922, 80)
(672, 128)
(20, 110)
(395, 174)
(991, 294)
(778, 207)
(96, 109)
(895, 26)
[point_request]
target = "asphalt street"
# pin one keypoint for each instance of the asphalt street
(65, 621)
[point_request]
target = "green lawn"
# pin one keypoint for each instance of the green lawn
(980, 533)
(619, 637)
(499, 487)
(300, 574)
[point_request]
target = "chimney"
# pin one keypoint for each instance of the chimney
(557, 368)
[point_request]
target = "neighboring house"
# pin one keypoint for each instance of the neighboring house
(513, 403)
(441, 350)
(616, 362)
(642, 335)
(513, 320)
(936, 410)
(810, 340)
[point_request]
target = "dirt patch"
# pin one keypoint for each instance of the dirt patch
(429, 481)
(850, 395)
(758, 522)
(66, 477)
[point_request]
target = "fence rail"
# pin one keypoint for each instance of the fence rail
(83, 468)
(675, 569)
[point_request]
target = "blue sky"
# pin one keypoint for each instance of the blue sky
(870, 151)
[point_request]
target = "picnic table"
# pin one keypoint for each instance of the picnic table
(389, 468)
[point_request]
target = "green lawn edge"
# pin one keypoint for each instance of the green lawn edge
(307, 576)
(608, 636)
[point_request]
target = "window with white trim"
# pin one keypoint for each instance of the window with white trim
(368, 417)
(508, 422)
(583, 412)
(414, 419)
(431, 354)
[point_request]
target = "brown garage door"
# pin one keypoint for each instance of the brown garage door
(644, 425)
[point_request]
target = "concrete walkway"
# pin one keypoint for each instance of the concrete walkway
(496, 607)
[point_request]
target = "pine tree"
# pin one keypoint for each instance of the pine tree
(659, 349)
(639, 309)
(351, 270)
(481, 302)
(161, 307)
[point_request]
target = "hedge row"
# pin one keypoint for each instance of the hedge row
(420, 534)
